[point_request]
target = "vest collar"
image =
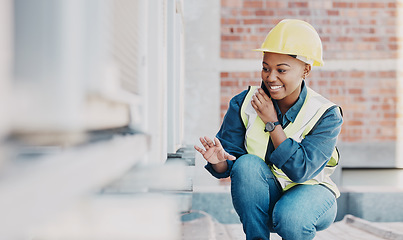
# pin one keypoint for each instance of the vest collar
(292, 113)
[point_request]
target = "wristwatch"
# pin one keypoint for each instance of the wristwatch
(270, 126)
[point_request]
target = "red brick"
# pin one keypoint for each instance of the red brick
(224, 74)
(276, 4)
(344, 39)
(304, 12)
(253, 4)
(354, 123)
(355, 91)
(393, 46)
(333, 12)
(240, 74)
(229, 83)
(264, 13)
(230, 21)
(245, 12)
(253, 21)
(230, 38)
(343, 4)
(394, 39)
(371, 5)
(371, 39)
(256, 82)
(390, 115)
(285, 13)
(298, 4)
(392, 5)
(357, 74)
(387, 74)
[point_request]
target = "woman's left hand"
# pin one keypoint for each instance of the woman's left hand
(264, 106)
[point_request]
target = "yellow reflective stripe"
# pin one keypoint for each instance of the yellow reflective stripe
(334, 159)
(257, 145)
(293, 127)
(256, 139)
(315, 118)
(246, 101)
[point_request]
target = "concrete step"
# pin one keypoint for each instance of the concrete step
(205, 227)
(359, 229)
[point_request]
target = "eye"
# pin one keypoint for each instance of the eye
(265, 69)
(281, 70)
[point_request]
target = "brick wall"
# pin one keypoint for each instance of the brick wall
(350, 30)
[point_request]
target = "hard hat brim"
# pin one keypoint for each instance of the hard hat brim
(319, 63)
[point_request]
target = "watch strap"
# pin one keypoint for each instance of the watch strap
(272, 126)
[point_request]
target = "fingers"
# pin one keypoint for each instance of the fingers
(265, 96)
(207, 142)
(200, 150)
(255, 106)
(262, 92)
(255, 99)
(229, 156)
(217, 148)
(259, 98)
(204, 143)
(262, 96)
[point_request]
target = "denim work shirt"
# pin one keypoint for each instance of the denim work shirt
(299, 161)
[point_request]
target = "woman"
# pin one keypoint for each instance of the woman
(278, 142)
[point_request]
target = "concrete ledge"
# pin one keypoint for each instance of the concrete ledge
(378, 204)
(368, 155)
(185, 154)
(372, 204)
(373, 228)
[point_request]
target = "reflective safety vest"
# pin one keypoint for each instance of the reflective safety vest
(257, 140)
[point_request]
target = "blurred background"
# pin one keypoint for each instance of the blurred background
(102, 101)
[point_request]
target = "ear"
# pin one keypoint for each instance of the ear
(307, 70)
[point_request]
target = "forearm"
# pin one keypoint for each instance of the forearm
(300, 162)
(225, 174)
(277, 136)
(304, 160)
(220, 167)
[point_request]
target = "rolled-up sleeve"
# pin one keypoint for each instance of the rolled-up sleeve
(231, 134)
(303, 161)
(209, 167)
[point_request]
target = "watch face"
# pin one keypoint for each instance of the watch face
(269, 127)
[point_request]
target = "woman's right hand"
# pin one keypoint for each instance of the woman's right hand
(214, 153)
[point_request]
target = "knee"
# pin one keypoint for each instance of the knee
(291, 225)
(247, 165)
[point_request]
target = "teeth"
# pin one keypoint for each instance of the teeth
(275, 87)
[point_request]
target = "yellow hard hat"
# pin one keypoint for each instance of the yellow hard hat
(294, 37)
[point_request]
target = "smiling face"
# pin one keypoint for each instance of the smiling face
(282, 76)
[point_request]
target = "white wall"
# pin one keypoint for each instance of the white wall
(5, 62)
(202, 74)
